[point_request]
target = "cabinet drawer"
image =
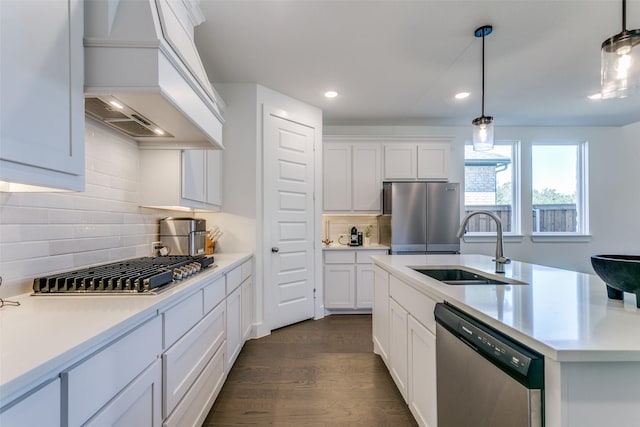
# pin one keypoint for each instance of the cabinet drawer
(187, 358)
(234, 278)
(364, 257)
(419, 305)
(247, 270)
(93, 382)
(339, 257)
(214, 294)
(181, 317)
(196, 404)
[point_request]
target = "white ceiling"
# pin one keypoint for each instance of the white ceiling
(401, 62)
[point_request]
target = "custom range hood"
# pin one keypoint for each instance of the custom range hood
(143, 74)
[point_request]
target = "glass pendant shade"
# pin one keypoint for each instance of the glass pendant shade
(620, 72)
(483, 133)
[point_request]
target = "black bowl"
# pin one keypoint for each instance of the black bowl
(621, 273)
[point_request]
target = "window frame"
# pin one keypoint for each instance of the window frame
(582, 194)
(515, 234)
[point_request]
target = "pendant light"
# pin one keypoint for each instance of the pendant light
(483, 125)
(620, 71)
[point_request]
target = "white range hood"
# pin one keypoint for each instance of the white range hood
(143, 74)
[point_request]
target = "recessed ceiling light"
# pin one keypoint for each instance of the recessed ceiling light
(462, 95)
(595, 96)
(331, 94)
(116, 104)
(158, 131)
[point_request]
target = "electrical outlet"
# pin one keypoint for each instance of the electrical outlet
(155, 246)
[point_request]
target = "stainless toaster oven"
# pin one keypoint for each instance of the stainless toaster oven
(184, 236)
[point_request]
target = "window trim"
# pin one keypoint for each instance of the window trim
(582, 195)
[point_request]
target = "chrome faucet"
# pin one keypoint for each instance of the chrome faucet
(500, 259)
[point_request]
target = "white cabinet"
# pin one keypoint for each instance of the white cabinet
(400, 161)
(234, 327)
(433, 161)
(336, 173)
(181, 178)
(339, 286)
(352, 176)
(348, 278)
(247, 299)
(137, 405)
(417, 160)
(398, 345)
(184, 362)
(22, 412)
(239, 310)
(106, 373)
(41, 101)
(421, 396)
(404, 336)
(364, 285)
(380, 313)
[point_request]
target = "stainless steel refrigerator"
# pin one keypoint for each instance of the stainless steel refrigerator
(420, 217)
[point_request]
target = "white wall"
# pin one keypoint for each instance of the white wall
(43, 233)
(614, 175)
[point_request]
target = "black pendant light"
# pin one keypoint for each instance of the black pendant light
(483, 125)
(620, 70)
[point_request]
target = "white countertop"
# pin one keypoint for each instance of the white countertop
(563, 314)
(339, 247)
(45, 333)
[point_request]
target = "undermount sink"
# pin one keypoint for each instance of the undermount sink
(457, 276)
(621, 273)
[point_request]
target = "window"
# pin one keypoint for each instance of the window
(558, 184)
(489, 180)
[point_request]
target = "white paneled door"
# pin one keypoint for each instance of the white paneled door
(289, 219)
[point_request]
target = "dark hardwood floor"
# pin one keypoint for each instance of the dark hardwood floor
(314, 373)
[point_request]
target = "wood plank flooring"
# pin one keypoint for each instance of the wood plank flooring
(314, 373)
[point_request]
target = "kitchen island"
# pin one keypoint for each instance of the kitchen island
(591, 344)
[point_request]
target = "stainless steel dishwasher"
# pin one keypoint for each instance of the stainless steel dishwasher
(484, 378)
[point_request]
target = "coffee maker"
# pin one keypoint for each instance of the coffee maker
(354, 238)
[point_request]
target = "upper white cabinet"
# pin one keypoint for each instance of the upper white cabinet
(181, 178)
(352, 176)
(41, 101)
(417, 160)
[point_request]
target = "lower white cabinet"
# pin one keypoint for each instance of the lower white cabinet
(234, 326)
(137, 405)
(184, 361)
(199, 399)
(22, 412)
(348, 278)
(380, 313)
(340, 286)
(421, 354)
(106, 373)
(404, 336)
(398, 346)
(247, 307)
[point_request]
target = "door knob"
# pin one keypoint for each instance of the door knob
(275, 250)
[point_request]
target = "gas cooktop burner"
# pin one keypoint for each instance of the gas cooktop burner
(140, 276)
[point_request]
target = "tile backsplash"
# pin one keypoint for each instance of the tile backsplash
(335, 225)
(43, 233)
